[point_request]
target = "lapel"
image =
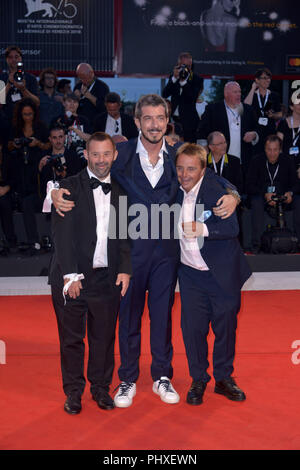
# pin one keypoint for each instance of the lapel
(224, 122)
(85, 180)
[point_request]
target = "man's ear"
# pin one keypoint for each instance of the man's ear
(85, 153)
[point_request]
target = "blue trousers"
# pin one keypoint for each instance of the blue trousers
(158, 275)
(203, 303)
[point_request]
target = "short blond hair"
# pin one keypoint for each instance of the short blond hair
(195, 150)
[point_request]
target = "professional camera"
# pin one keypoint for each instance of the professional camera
(23, 141)
(183, 72)
(278, 239)
(56, 163)
(19, 74)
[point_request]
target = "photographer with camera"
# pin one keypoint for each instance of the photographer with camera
(19, 83)
(76, 126)
(27, 142)
(60, 161)
(271, 175)
(184, 87)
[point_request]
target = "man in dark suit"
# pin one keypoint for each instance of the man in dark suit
(184, 87)
(212, 272)
(91, 92)
(92, 266)
(114, 122)
(235, 120)
(271, 173)
(146, 171)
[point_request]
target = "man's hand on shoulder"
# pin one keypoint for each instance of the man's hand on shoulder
(60, 203)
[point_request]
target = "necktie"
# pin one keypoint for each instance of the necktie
(94, 182)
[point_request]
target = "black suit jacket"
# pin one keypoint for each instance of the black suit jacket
(129, 129)
(185, 97)
(215, 119)
(75, 235)
(231, 171)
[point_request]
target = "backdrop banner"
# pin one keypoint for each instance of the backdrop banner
(225, 37)
(59, 33)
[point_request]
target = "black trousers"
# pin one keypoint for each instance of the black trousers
(6, 218)
(94, 311)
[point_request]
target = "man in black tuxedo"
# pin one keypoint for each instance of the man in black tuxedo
(184, 87)
(235, 120)
(90, 269)
(114, 122)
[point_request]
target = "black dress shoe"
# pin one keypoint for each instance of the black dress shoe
(229, 389)
(195, 393)
(104, 401)
(73, 404)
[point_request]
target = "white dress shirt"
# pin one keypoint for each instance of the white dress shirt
(153, 173)
(102, 206)
(189, 248)
(234, 122)
(113, 126)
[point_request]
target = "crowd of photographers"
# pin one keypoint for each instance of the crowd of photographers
(44, 125)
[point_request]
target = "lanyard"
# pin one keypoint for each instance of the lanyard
(295, 134)
(275, 174)
(221, 167)
(236, 116)
(262, 107)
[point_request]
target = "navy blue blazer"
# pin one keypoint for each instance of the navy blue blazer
(221, 250)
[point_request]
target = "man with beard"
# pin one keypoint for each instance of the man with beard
(145, 169)
(91, 268)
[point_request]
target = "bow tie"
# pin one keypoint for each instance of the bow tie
(94, 182)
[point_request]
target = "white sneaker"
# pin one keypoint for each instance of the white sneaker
(165, 390)
(125, 394)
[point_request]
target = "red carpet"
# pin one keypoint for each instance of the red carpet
(31, 397)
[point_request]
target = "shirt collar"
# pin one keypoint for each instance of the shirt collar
(140, 149)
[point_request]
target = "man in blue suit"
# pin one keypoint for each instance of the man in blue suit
(145, 169)
(212, 272)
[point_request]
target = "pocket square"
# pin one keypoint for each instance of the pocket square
(204, 216)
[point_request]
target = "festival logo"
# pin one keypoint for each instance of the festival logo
(65, 8)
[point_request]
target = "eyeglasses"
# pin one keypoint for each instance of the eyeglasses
(264, 78)
(220, 143)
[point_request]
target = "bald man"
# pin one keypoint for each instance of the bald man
(91, 91)
(233, 119)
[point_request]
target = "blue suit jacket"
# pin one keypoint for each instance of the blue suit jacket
(221, 250)
(124, 172)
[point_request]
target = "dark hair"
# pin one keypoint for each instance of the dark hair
(273, 138)
(150, 100)
(18, 121)
(71, 96)
(57, 127)
(112, 97)
(260, 72)
(42, 77)
(12, 48)
(100, 137)
(62, 83)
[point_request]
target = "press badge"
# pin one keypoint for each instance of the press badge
(16, 97)
(263, 121)
(294, 150)
(271, 189)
